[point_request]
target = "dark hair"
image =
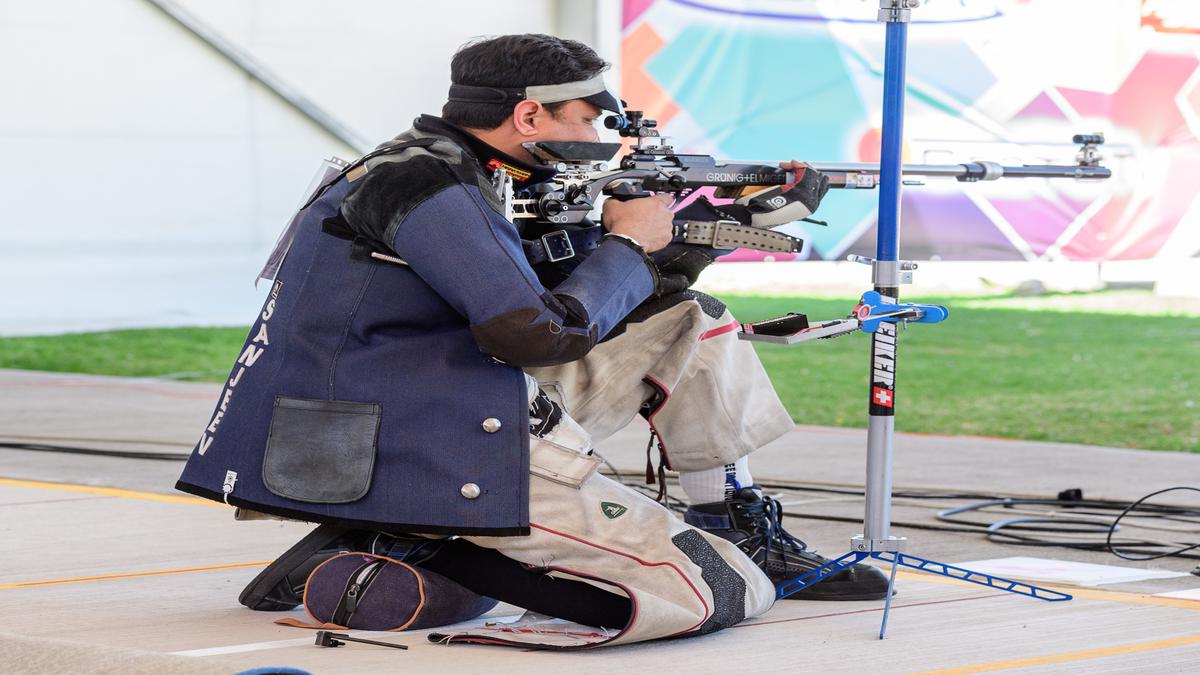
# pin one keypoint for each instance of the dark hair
(515, 61)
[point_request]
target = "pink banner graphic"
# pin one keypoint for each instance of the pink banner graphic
(1009, 81)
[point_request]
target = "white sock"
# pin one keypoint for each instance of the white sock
(716, 484)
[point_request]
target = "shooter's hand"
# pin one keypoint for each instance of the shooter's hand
(679, 264)
(647, 219)
(792, 201)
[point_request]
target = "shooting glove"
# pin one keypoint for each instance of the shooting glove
(679, 265)
(785, 203)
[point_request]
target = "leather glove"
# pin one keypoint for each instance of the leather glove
(679, 266)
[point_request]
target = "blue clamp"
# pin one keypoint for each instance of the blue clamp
(871, 309)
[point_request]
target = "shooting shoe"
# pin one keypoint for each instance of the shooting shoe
(753, 522)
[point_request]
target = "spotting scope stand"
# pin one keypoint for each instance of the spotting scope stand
(879, 312)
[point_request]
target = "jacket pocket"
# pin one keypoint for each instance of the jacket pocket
(560, 465)
(321, 452)
(564, 455)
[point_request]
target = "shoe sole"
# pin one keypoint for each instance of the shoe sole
(254, 595)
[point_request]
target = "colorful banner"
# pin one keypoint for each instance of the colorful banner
(1009, 81)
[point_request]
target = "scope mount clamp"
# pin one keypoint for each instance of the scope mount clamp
(887, 273)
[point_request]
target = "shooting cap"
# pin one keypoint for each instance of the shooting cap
(592, 90)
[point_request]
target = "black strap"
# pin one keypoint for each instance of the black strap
(582, 240)
(487, 572)
(467, 93)
(385, 150)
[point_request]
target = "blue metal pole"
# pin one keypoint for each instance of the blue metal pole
(876, 540)
(886, 276)
(887, 245)
(881, 410)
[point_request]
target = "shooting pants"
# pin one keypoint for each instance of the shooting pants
(710, 402)
(716, 403)
(595, 542)
(680, 581)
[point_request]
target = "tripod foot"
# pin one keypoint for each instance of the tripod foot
(964, 574)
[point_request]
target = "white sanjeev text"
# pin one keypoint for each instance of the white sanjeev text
(254, 349)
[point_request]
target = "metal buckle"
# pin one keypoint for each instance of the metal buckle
(720, 227)
(562, 241)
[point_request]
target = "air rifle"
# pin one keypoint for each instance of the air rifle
(652, 166)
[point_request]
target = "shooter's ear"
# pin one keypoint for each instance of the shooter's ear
(525, 117)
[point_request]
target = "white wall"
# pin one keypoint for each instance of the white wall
(143, 176)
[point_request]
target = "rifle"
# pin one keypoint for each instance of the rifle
(559, 208)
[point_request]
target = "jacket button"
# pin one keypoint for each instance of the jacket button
(470, 491)
(491, 425)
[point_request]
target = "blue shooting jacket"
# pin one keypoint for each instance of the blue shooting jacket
(389, 395)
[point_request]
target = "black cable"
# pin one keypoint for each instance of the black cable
(895, 523)
(1003, 532)
(1006, 531)
(1098, 503)
(124, 454)
(680, 506)
(1132, 507)
(1021, 531)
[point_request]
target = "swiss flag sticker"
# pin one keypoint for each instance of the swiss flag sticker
(883, 397)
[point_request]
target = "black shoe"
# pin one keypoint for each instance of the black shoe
(280, 587)
(752, 522)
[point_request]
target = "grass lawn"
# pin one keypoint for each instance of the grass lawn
(1075, 377)
(1071, 377)
(179, 353)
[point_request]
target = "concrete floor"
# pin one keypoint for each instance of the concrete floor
(105, 569)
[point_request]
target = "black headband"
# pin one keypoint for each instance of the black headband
(592, 90)
(496, 95)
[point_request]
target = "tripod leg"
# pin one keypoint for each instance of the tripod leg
(980, 578)
(887, 600)
(815, 576)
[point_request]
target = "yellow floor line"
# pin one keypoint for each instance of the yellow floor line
(1124, 597)
(128, 575)
(108, 492)
(1067, 657)
(1092, 594)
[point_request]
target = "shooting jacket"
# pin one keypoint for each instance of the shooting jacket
(390, 395)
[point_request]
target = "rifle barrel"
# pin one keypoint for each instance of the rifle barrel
(971, 171)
